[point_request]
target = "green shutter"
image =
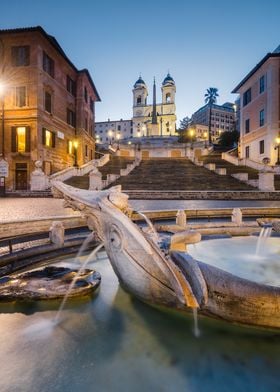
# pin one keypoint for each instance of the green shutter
(44, 136)
(53, 139)
(14, 139)
(27, 139)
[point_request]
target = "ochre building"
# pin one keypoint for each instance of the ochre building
(47, 106)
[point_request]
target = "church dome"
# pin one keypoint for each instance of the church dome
(168, 80)
(139, 83)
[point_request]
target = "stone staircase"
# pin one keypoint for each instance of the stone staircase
(114, 167)
(177, 174)
(216, 158)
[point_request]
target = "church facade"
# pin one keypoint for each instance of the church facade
(156, 119)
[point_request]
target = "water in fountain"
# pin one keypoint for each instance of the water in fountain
(151, 226)
(264, 234)
(83, 266)
(196, 330)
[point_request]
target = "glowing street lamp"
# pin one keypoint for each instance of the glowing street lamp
(75, 145)
(277, 147)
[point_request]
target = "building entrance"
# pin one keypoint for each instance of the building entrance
(21, 176)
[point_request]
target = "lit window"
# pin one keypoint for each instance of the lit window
(21, 136)
(70, 147)
(48, 136)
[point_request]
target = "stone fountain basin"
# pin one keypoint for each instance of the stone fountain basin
(48, 283)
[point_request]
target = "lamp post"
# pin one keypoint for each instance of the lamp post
(75, 145)
(118, 139)
(138, 135)
(110, 133)
(191, 135)
(277, 147)
(205, 139)
(2, 90)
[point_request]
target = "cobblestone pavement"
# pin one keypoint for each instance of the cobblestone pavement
(12, 209)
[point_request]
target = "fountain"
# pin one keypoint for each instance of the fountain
(175, 280)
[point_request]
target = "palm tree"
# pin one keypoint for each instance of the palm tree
(210, 98)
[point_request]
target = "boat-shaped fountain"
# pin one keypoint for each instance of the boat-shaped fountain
(170, 278)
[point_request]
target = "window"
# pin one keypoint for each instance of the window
(262, 147)
(85, 94)
(21, 96)
(48, 64)
(70, 147)
(119, 127)
(168, 98)
(247, 125)
(247, 97)
(20, 139)
(139, 100)
(91, 155)
(71, 86)
(86, 150)
(71, 118)
(86, 122)
(20, 56)
(247, 151)
(48, 102)
(48, 138)
(262, 86)
(261, 117)
(91, 104)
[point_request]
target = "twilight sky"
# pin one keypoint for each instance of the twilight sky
(202, 43)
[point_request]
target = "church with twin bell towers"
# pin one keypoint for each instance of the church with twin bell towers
(156, 119)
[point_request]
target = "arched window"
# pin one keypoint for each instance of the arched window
(139, 100)
(168, 98)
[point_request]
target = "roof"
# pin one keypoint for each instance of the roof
(254, 70)
(140, 81)
(56, 46)
(168, 80)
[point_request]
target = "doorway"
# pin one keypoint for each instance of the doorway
(21, 176)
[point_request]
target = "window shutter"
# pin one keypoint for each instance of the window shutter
(44, 136)
(14, 140)
(53, 139)
(27, 139)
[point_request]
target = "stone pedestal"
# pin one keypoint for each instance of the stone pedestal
(57, 233)
(181, 218)
(38, 179)
(236, 216)
(95, 180)
(266, 181)
(153, 129)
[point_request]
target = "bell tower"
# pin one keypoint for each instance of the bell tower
(168, 119)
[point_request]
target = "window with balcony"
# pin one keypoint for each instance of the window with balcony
(247, 97)
(48, 64)
(20, 56)
(20, 139)
(21, 96)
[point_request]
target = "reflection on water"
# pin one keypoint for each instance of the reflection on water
(113, 342)
(239, 256)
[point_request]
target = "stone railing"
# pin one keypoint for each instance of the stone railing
(230, 158)
(79, 171)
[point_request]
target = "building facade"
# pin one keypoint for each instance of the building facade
(112, 131)
(223, 118)
(165, 110)
(48, 106)
(260, 110)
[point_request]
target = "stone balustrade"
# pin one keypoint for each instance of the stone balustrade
(222, 171)
(210, 166)
(241, 176)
